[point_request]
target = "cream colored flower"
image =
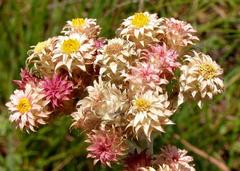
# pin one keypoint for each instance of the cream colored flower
(116, 57)
(74, 51)
(85, 119)
(28, 108)
(200, 78)
(141, 28)
(149, 112)
(86, 26)
(177, 32)
(164, 168)
(161, 168)
(105, 101)
(40, 57)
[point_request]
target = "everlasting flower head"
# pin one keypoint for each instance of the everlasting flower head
(105, 146)
(149, 112)
(105, 100)
(175, 158)
(141, 28)
(136, 160)
(86, 26)
(26, 78)
(28, 108)
(74, 51)
(57, 90)
(40, 57)
(164, 167)
(85, 119)
(141, 20)
(163, 58)
(115, 57)
(160, 168)
(40, 48)
(144, 76)
(200, 78)
(177, 33)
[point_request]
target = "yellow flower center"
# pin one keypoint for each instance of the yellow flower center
(139, 20)
(70, 46)
(78, 22)
(113, 49)
(40, 46)
(142, 104)
(208, 71)
(24, 105)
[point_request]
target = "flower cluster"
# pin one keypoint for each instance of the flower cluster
(119, 91)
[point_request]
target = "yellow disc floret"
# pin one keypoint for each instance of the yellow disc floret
(142, 104)
(208, 71)
(140, 20)
(24, 105)
(40, 46)
(70, 46)
(78, 22)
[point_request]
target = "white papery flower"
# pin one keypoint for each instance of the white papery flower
(200, 78)
(149, 112)
(40, 57)
(177, 32)
(85, 119)
(142, 28)
(116, 57)
(28, 108)
(160, 168)
(74, 51)
(105, 101)
(86, 26)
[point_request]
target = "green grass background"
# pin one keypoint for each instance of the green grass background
(215, 129)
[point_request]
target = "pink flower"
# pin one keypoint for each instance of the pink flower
(26, 78)
(136, 160)
(178, 33)
(163, 59)
(177, 159)
(28, 108)
(145, 72)
(105, 146)
(57, 90)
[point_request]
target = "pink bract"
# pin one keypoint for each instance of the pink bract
(105, 147)
(26, 78)
(57, 90)
(176, 158)
(163, 58)
(145, 72)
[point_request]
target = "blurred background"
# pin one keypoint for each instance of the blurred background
(212, 135)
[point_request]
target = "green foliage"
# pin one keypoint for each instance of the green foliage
(215, 129)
